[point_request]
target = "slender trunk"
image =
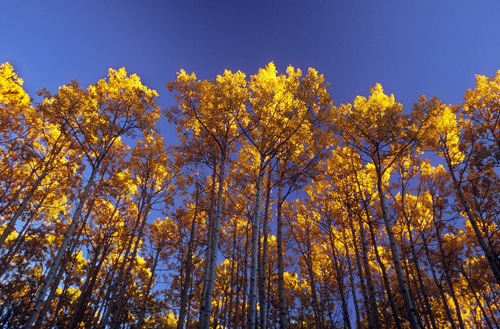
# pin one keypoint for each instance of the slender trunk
(87, 289)
(447, 276)
(405, 261)
(125, 281)
(93, 271)
(384, 276)
(312, 282)
(412, 314)
(262, 289)
(208, 253)
(361, 276)
(231, 285)
(62, 249)
(252, 295)
(340, 283)
(283, 319)
(146, 295)
(48, 302)
(375, 316)
(188, 265)
(439, 286)
(234, 268)
(114, 307)
(351, 280)
(423, 289)
(215, 247)
(107, 301)
(62, 269)
(244, 304)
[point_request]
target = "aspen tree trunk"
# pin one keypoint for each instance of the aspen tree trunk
(252, 295)
(229, 309)
(88, 286)
(234, 267)
(189, 265)
(351, 279)
(419, 276)
(384, 276)
(263, 276)
(447, 310)
(244, 304)
(107, 298)
(368, 276)
(283, 320)
(379, 260)
(48, 302)
(62, 249)
(316, 307)
(215, 247)
(114, 308)
(190, 299)
(361, 277)
(412, 314)
(312, 282)
(146, 297)
(405, 261)
(87, 290)
(62, 269)
(340, 283)
(208, 253)
(447, 276)
(141, 220)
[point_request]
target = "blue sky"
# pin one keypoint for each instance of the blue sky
(411, 47)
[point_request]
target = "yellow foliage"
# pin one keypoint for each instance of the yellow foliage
(11, 91)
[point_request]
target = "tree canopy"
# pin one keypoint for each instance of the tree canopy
(276, 209)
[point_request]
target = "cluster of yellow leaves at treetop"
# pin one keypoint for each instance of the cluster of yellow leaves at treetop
(210, 106)
(371, 118)
(105, 102)
(441, 131)
(16, 112)
(485, 97)
(11, 90)
(279, 104)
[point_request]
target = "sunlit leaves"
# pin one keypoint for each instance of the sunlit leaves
(241, 136)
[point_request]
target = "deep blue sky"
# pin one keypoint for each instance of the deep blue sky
(411, 47)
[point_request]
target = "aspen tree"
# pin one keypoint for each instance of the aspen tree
(379, 131)
(96, 119)
(210, 110)
(460, 142)
(279, 108)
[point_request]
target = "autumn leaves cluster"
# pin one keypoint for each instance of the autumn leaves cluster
(275, 209)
